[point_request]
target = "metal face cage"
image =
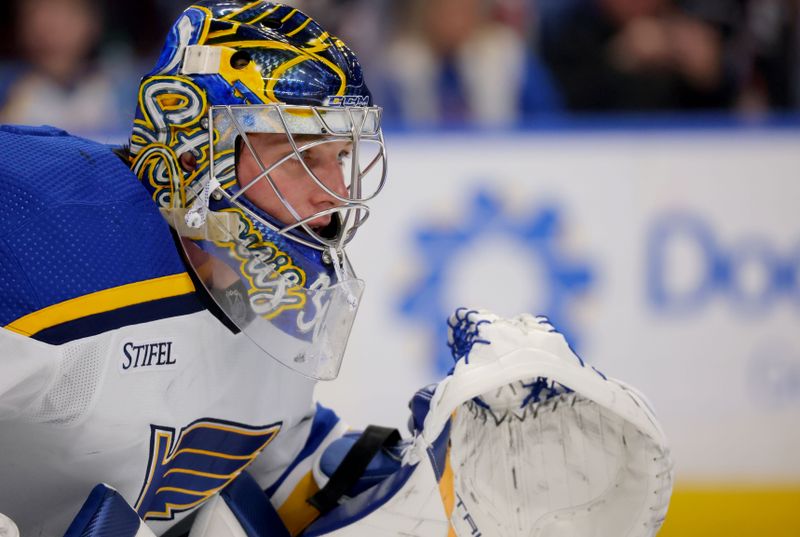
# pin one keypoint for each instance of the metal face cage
(365, 167)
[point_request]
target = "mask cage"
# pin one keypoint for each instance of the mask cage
(364, 169)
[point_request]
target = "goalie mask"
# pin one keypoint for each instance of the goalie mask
(256, 136)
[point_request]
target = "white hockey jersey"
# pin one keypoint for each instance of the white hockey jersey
(112, 369)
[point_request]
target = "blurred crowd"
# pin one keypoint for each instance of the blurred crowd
(76, 63)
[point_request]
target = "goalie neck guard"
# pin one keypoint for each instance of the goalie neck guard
(231, 71)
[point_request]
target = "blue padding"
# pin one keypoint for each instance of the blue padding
(325, 420)
(365, 503)
(419, 405)
(104, 514)
(253, 509)
(357, 508)
(74, 220)
(438, 451)
(383, 464)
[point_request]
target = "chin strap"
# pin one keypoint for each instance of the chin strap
(337, 259)
(199, 222)
(196, 216)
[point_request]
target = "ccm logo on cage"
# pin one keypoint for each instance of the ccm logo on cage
(145, 356)
(347, 100)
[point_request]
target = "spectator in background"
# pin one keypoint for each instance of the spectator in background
(57, 79)
(768, 56)
(636, 55)
(452, 63)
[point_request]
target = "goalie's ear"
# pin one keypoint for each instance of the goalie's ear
(106, 513)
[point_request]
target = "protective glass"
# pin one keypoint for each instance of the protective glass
(295, 307)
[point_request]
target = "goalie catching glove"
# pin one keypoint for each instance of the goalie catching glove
(540, 444)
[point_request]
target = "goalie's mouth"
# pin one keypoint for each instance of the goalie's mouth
(319, 224)
(326, 226)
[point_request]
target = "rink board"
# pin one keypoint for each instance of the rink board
(729, 511)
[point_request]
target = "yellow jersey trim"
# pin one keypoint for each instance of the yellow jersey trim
(102, 302)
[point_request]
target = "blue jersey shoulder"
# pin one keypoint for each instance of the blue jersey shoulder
(75, 221)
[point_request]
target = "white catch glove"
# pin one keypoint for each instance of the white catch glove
(542, 445)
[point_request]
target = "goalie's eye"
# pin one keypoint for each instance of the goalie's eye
(309, 157)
